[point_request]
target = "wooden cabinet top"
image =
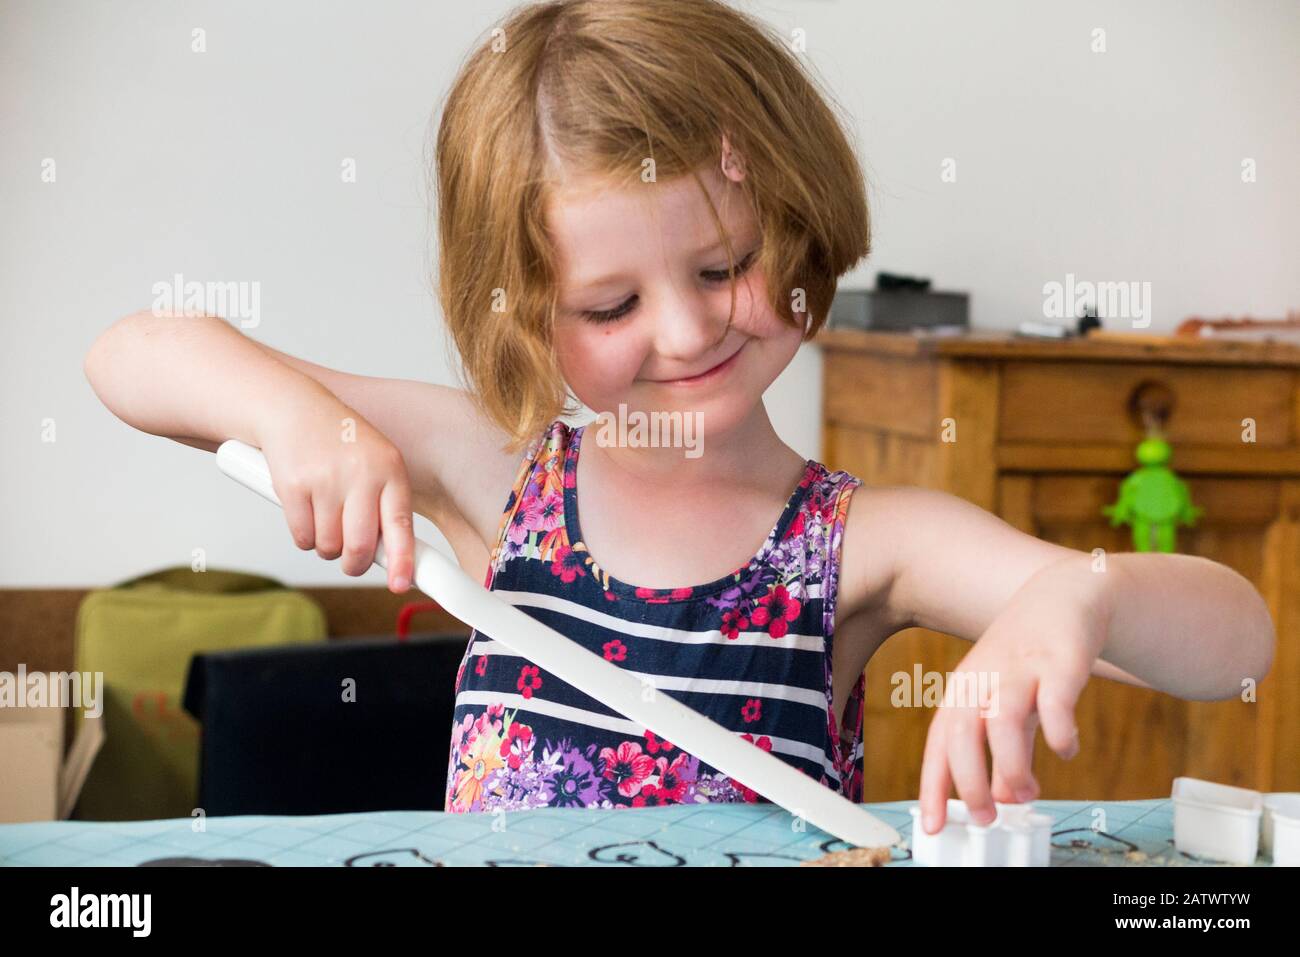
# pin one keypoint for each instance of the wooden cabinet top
(1111, 347)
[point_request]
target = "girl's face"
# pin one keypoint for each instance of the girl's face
(644, 300)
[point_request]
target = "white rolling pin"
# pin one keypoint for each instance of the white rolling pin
(446, 583)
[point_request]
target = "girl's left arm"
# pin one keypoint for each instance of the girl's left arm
(1043, 618)
(937, 561)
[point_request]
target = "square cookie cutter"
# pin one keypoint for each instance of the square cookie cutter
(1234, 825)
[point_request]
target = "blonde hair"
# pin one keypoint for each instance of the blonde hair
(595, 88)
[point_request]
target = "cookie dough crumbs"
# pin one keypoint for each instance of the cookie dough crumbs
(854, 857)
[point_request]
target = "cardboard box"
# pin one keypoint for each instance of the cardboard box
(38, 782)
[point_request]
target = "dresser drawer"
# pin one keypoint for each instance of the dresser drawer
(1091, 403)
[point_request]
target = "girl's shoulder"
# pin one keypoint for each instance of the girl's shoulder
(541, 474)
(877, 520)
(546, 459)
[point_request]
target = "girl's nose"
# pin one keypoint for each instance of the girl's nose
(689, 330)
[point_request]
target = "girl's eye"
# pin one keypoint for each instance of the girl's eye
(722, 275)
(610, 315)
(711, 275)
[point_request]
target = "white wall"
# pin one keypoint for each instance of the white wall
(1123, 165)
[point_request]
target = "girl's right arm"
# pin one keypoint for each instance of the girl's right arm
(350, 456)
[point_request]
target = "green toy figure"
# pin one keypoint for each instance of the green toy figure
(1153, 499)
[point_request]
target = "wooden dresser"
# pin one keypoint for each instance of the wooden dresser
(1047, 431)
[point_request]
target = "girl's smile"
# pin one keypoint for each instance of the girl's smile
(709, 375)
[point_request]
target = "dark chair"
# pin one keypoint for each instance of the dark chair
(355, 724)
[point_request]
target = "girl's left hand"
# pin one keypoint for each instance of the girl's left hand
(1031, 663)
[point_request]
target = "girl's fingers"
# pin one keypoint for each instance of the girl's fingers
(1056, 703)
(935, 780)
(966, 757)
(297, 513)
(360, 531)
(1000, 790)
(326, 508)
(1013, 775)
(399, 534)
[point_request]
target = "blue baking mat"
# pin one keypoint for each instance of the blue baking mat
(1084, 833)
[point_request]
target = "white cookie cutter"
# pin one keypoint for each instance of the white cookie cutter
(1217, 821)
(1279, 829)
(1018, 837)
(1232, 824)
(444, 581)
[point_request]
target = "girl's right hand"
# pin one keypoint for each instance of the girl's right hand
(342, 484)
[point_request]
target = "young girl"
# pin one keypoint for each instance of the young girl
(647, 206)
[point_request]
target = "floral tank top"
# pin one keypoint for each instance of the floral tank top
(751, 651)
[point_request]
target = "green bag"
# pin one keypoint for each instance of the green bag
(141, 634)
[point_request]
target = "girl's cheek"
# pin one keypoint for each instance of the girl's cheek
(754, 315)
(597, 358)
(610, 368)
(569, 349)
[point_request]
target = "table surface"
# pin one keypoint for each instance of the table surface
(1084, 834)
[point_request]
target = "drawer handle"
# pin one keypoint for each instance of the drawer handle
(1150, 405)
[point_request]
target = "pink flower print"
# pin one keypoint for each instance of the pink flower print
(529, 680)
(672, 777)
(733, 623)
(796, 527)
(459, 730)
(527, 518)
(480, 667)
(496, 709)
(551, 511)
(752, 710)
(615, 650)
(654, 745)
(748, 794)
(567, 564)
(681, 594)
(651, 796)
(518, 745)
(776, 610)
(627, 767)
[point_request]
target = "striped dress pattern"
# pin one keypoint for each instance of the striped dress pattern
(750, 650)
